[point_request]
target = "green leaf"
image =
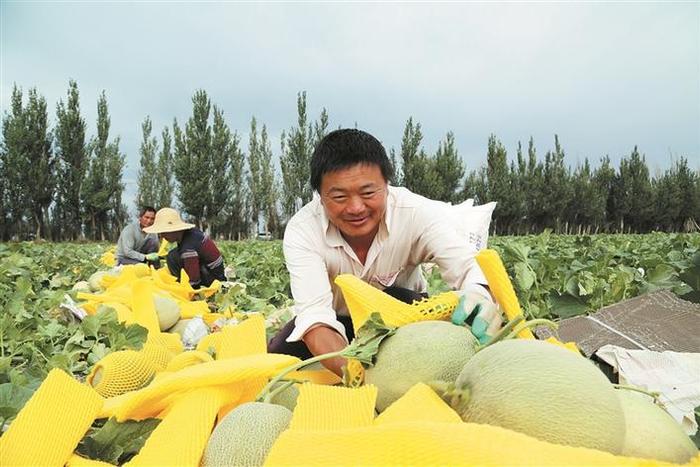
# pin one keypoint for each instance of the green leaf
(566, 306)
(662, 275)
(524, 277)
(365, 345)
(518, 251)
(117, 442)
(12, 399)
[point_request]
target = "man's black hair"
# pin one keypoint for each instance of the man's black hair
(344, 148)
(146, 209)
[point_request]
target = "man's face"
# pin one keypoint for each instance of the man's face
(147, 219)
(355, 200)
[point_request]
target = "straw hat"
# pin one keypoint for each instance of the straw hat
(168, 220)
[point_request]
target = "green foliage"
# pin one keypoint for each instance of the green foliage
(116, 442)
(164, 173)
(148, 175)
(102, 187)
(297, 146)
(72, 154)
(36, 334)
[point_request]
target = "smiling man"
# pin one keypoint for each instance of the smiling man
(358, 224)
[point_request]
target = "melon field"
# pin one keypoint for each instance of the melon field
(554, 277)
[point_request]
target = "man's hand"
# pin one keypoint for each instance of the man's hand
(152, 257)
(481, 314)
(323, 339)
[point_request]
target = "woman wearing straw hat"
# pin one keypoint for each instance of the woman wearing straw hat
(196, 253)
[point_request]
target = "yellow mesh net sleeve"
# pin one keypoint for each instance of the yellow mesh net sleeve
(142, 307)
(158, 355)
(51, 423)
(432, 443)
(502, 288)
(210, 342)
(191, 309)
(322, 376)
(244, 338)
(418, 404)
(79, 461)
(189, 358)
(148, 402)
(322, 407)
(362, 300)
(168, 340)
(182, 435)
(121, 372)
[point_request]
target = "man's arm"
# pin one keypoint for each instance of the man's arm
(316, 322)
(126, 243)
(322, 339)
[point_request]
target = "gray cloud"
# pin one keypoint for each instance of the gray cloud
(603, 76)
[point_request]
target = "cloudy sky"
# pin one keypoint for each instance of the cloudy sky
(603, 76)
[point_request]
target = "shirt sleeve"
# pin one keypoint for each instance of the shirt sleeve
(127, 241)
(311, 289)
(190, 263)
(438, 242)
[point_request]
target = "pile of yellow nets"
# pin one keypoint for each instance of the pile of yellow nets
(331, 425)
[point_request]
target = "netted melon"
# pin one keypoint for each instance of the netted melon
(286, 397)
(82, 286)
(120, 372)
(651, 432)
(544, 391)
(419, 353)
(168, 311)
(246, 434)
(95, 281)
(179, 327)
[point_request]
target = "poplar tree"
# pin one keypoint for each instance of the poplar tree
(296, 146)
(269, 188)
(255, 176)
(147, 180)
(117, 215)
(498, 178)
(634, 193)
(95, 192)
(412, 162)
(164, 172)
(555, 190)
(449, 168)
(15, 164)
(72, 156)
(41, 168)
(227, 188)
(192, 161)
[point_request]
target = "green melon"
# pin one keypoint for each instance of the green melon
(82, 286)
(246, 434)
(419, 353)
(179, 327)
(168, 311)
(544, 391)
(287, 397)
(651, 432)
(95, 281)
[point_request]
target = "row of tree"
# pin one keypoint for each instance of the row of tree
(535, 194)
(58, 184)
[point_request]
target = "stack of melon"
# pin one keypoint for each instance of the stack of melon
(528, 386)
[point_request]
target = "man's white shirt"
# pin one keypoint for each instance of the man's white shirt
(409, 235)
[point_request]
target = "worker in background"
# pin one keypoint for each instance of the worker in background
(135, 245)
(195, 253)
